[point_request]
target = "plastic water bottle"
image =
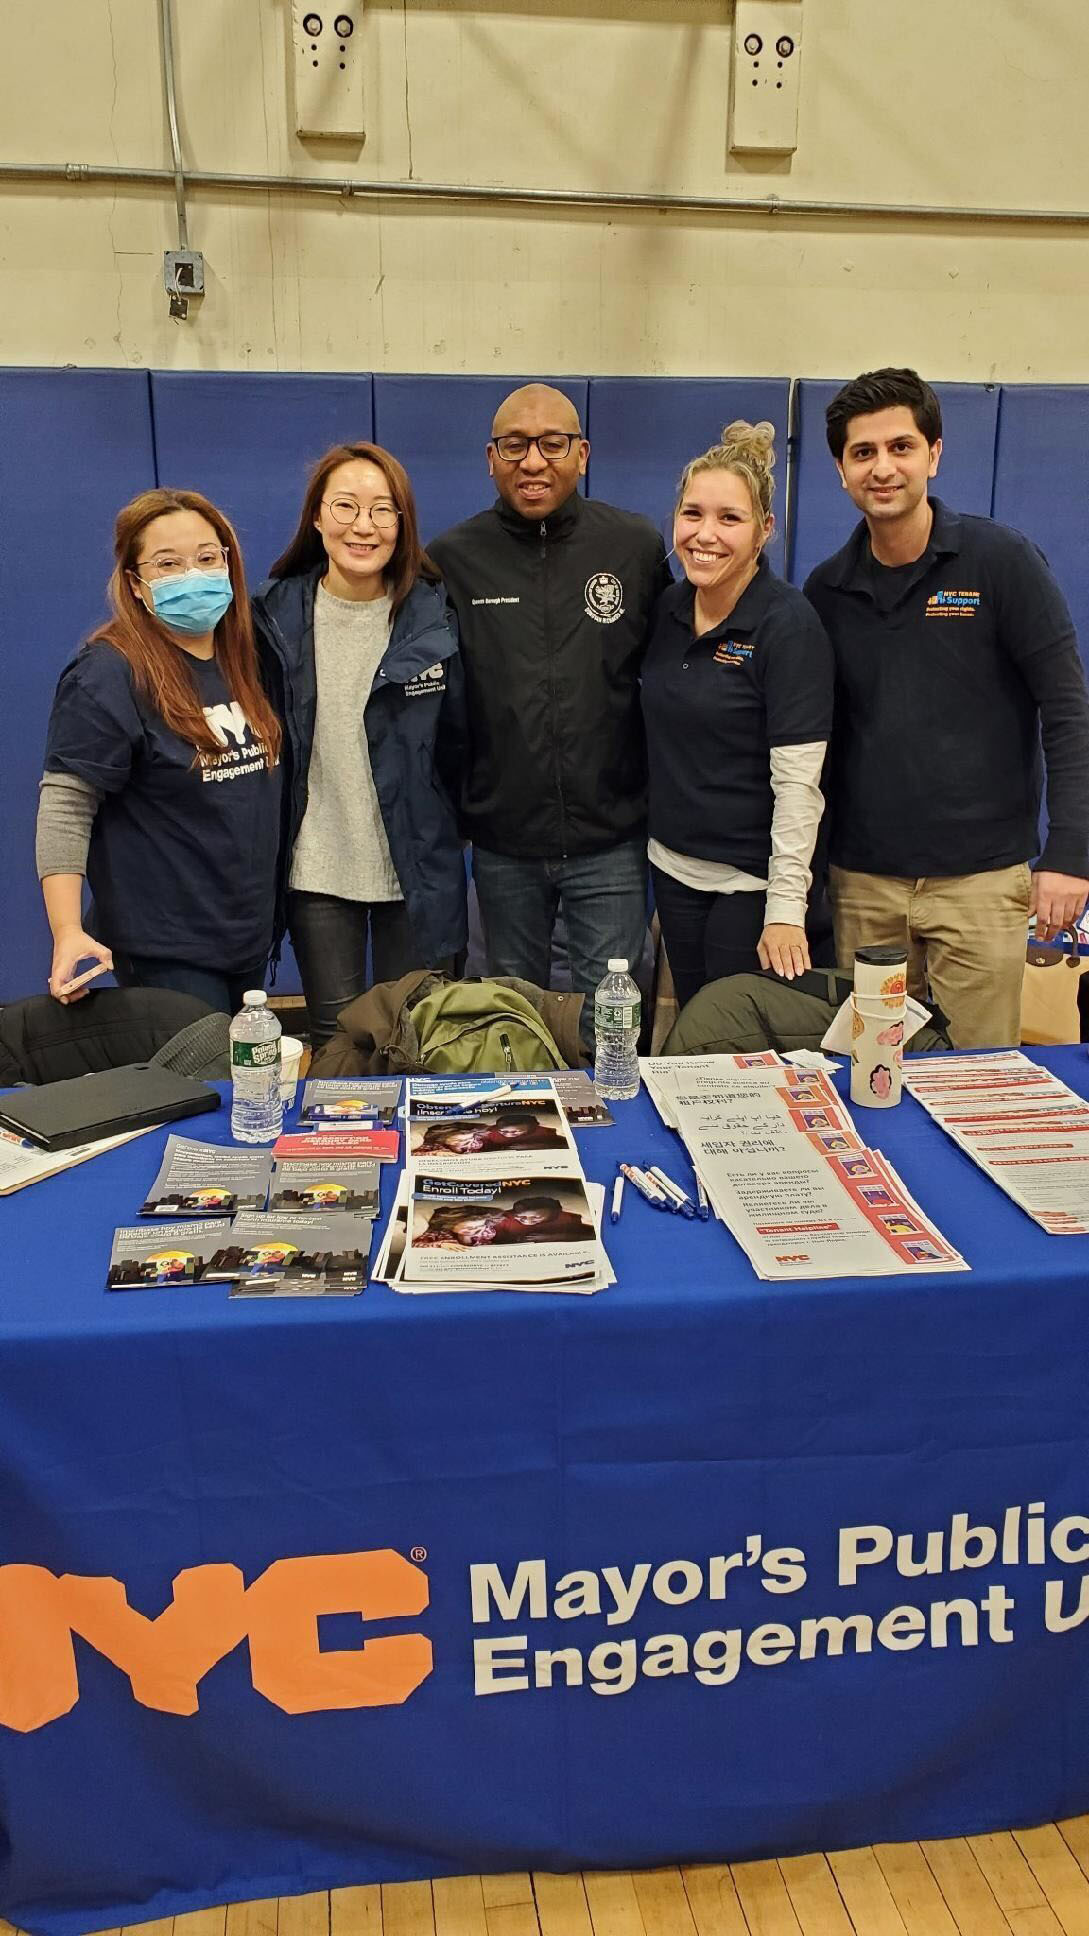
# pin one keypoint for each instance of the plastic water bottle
(257, 1113)
(617, 1010)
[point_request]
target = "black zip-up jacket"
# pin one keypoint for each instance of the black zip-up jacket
(414, 722)
(553, 617)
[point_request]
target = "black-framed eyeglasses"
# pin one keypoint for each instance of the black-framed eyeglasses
(551, 443)
(345, 510)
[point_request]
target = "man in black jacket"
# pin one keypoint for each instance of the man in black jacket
(955, 654)
(553, 594)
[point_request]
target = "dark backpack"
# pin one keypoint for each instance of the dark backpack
(742, 1014)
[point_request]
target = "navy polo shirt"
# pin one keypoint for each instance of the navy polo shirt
(715, 706)
(182, 862)
(946, 670)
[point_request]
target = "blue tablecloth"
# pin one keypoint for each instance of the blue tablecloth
(654, 1485)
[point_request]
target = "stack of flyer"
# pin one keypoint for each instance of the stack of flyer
(786, 1171)
(314, 1240)
(493, 1196)
(1024, 1127)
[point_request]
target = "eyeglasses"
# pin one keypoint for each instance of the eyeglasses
(552, 443)
(345, 510)
(170, 564)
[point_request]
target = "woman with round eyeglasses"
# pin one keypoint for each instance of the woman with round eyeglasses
(162, 779)
(361, 657)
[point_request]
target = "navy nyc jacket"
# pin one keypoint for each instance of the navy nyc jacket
(415, 725)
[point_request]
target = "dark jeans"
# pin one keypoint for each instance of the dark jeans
(329, 937)
(603, 898)
(223, 992)
(707, 935)
(604, 903)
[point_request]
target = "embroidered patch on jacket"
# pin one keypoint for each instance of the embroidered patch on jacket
(604, 595)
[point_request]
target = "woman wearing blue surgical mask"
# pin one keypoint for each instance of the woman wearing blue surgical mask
(162, 778)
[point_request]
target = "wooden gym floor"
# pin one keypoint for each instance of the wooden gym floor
(1032, 1882)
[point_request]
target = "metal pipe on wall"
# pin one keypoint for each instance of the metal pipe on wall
(723, 207)
(172, 119)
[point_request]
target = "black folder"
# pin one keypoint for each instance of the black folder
(105, 1103)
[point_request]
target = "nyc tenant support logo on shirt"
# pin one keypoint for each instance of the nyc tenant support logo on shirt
(733, 652)
(953, 604)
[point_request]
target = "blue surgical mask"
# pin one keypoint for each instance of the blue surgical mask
(194, 602)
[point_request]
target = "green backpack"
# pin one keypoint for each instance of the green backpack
(467, 1026)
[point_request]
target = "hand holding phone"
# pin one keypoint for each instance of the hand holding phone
(68, 977)
(80, 981)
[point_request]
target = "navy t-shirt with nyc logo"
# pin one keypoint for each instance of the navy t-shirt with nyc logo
(182, 863)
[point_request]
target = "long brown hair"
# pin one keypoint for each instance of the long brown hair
(160, 667)
(409, 561)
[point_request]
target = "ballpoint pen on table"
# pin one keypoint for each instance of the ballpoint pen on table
(481, 1103)
(618, 1196)
(673, 1190)
(646, 1186)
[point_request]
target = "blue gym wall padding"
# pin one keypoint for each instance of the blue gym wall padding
(75, 446)
(439, 426)
(248, 442)
(824, 516)
(1041, 482)
(644, 430)
(88, 440)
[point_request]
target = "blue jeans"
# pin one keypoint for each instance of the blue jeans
(603, 898)
(222, 992)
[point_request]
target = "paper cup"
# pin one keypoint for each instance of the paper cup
(291, 1051)
(878, 1009)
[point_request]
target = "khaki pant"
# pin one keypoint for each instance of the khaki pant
(965, 938)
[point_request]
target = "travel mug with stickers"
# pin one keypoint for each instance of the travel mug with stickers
(878, 1008)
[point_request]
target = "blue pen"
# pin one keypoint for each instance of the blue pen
(680, 1199)
(705, 1207)
(646, 1187)
(482, 1103)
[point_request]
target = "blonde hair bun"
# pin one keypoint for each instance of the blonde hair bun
(756, 442)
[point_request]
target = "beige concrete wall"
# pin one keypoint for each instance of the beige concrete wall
(939, 101)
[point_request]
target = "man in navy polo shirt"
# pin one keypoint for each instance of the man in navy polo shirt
(955, 656)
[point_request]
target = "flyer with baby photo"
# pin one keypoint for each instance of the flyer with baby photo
(499, 1226)
(478, 1123)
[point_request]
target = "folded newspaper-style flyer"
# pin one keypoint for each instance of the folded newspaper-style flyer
(780, 1158)
(1027, 1131)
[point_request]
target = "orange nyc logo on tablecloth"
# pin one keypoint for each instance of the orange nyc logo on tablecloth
(211, 1611)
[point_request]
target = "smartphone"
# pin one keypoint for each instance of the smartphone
(79, 981)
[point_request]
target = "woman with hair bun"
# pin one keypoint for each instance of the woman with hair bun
(162, 778)
(360, 650)
(737, 701)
